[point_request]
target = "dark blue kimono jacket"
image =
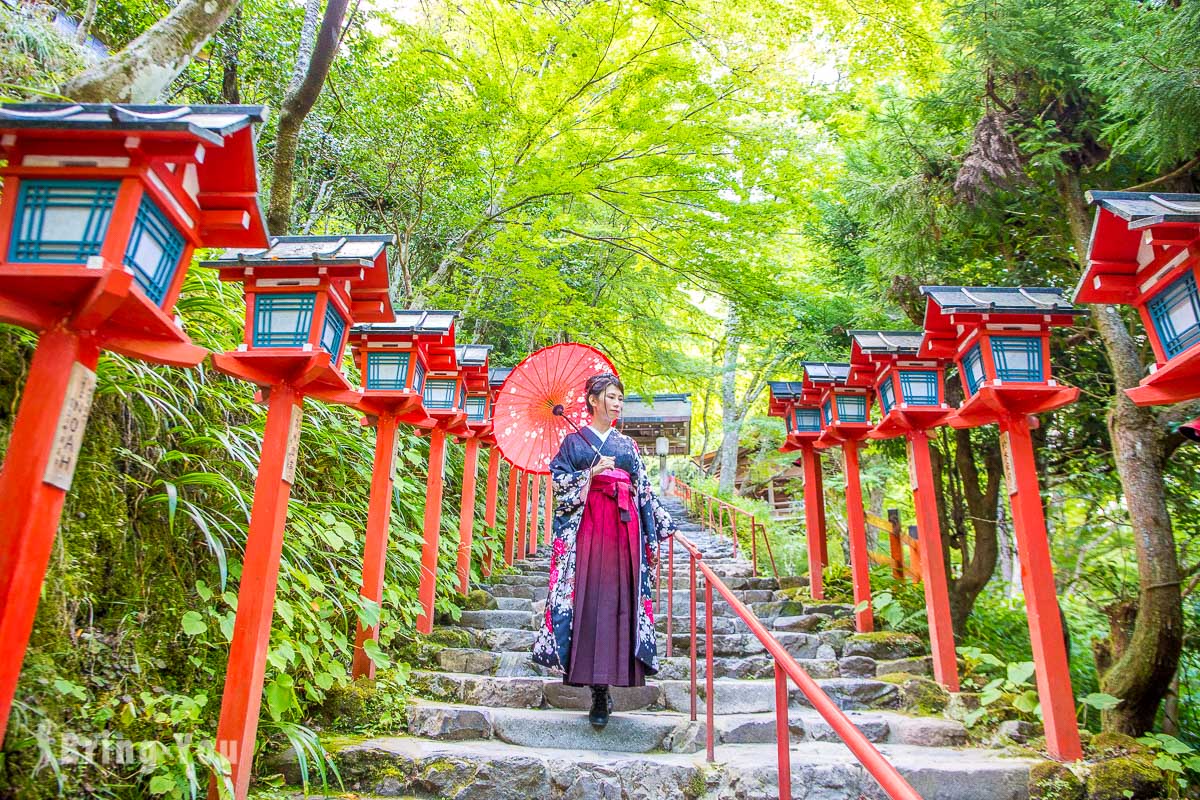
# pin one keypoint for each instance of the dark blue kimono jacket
(571, 474)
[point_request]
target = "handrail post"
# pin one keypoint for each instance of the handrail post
(897, 549)
(670, 589)
(783, 734)
(658, 587)
(708, 672)
(753, 548)
(692, 589)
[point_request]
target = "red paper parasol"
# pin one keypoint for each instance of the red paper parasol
(526, 428)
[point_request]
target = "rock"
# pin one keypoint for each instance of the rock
(507, 639)
(837, 610)
(1133, 777)
(451, 723)
(625, 733)
(800, 645)
(920, 695)
(826, 652)
(777, 608)
(805, 623)
(922, 665)
(1114, 744)
(503, 692)
(1018, 730)
(929, 732)
(494, 620)
(1051, 780)
(479, 600)
(884, 645)
(856, 667)
(876, 729)
(476, 662)
(851, 693)
(793, 581)
(513, 603)
(835, 639)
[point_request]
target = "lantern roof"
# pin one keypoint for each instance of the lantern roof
(1135, 235)
(414, 322)
(885, 342)
(996, 300)
(497, 376)
(472, 355)
(217, 140)
(822, 374)
(786, 390)
(1144, 209)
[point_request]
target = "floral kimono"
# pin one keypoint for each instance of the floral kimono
(571, 473)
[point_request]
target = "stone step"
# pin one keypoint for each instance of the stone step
(733, 696)
(499, 590)
(798, 645)
(495, 770)
(514, 603)
(490, 620)
(643, 732)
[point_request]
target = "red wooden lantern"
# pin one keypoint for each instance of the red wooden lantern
(300, 303)
(999, 338)
(393, 359)
(846, 421)
(1144, 254)
(800, 409)
(912, 399)
(473, 367)
(101, 208)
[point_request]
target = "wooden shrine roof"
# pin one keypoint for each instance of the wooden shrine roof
(999, 300)
(899, 342)
(1144, 209)
(209, 123)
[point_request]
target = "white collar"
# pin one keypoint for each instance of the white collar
(603, 437)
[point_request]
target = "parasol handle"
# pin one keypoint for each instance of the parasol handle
(558, 411)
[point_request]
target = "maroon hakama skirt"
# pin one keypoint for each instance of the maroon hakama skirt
(606, 587)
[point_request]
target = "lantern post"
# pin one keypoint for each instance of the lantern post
(101, 208)
(302, 295)
(523, 515)
(444, 396)
(473, 365)
(1144, 253)
(912, 400)
(510, 517)
(393, 358)
(800, 409)
(845, 421)
(535, 496)
(1000, 340)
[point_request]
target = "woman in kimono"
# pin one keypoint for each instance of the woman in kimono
(599, 623)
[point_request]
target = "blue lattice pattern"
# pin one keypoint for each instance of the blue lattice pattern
(1175, 312)
(852, 408)
(828, 409)
(154, 250)
(919, 388)
(972, 369)
(439, 393)
(61, 222)
(387, 371)
(887, 394)
(418, 384)
(1018, 359)
(477, 408)
(283, 320)
(807, 420)
(332, 330)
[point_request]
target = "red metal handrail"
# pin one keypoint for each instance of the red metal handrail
(726, 510)
(892, 782)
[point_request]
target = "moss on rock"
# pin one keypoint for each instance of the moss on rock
(1136, 775)
(1050, 780)
(479, 600)
(1115, 744)
(921, 695)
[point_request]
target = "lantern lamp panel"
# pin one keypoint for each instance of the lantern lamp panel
(283, 320)
(154, 250)
(477, 408)
(972, 369)
(828, 411)
(387, 371)
(61, 222)
(333, 330)
(919, 388)
(439, 393)
(808, 420)
(1018, 359)
(418, 384)
(852, 408)
(887, 394)
(1175, 312)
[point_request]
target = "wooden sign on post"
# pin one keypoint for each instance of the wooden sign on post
(72, 420)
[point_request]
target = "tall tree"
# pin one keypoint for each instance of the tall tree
(313, 61)
(142, 72)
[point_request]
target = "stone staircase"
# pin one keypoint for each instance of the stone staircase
(488, 724)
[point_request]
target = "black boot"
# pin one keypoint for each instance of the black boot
(601, 706)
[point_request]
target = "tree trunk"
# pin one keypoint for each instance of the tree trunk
(980, 564)
(144, 70)
(230, 91)
(85, 24)
(731, 422)
(295, 108)
(1142, 670)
